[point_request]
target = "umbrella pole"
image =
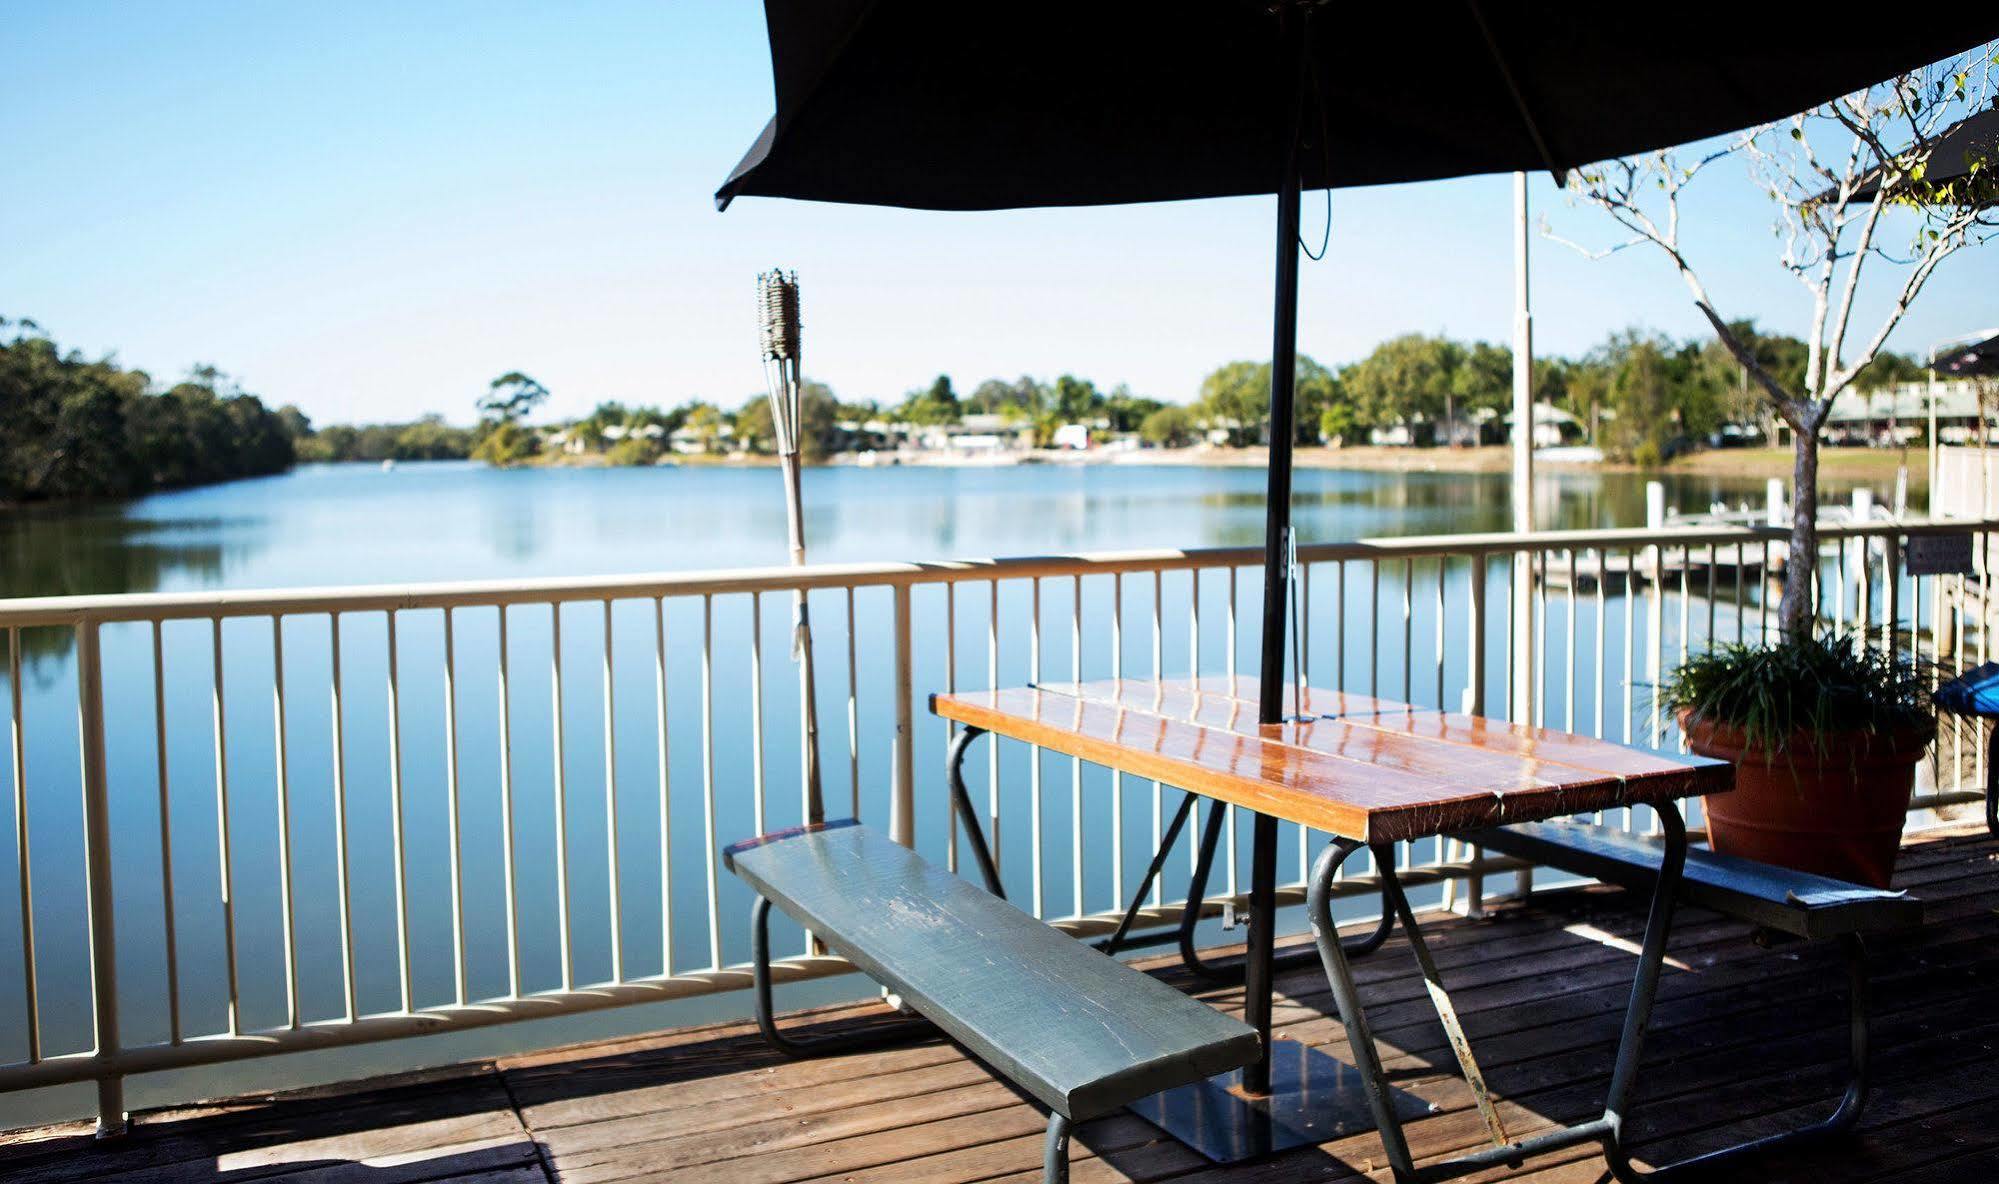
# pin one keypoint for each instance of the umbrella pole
(1276, 578)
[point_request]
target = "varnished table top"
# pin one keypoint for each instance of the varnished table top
(1364, 768)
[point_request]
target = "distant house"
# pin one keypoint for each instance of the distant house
(1073, 436)
(973, 435)
(1553, 427)
(690, 440)
(1898, 415)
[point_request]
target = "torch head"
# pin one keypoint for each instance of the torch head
(777, 304)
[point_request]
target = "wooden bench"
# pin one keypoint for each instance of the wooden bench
(1081, 1033)
(1801, 904)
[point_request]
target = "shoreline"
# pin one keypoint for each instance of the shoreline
(1836, 464)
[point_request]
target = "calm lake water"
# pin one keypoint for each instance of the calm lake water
(334, 525)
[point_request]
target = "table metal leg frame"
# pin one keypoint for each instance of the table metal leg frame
(1190, 918)
(1605, 1130)
(1197, 889)
(1840, 1121)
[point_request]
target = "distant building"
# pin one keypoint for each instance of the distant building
(1073, 436)
(1898, 415)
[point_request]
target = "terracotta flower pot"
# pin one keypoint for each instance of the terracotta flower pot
(1838, 813)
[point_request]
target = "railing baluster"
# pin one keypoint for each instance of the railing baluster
(560, 786)
(453, 822)
(902, 803)
(756, 713)
(665, 790)
(287, 916)
(1158, 674)
(615, 914)
(1602, 627)
(992, 743)
(1034, 751)
(1631, 651)
(1441, 705)
(510, 887)
(1537, 568)
(169, 927)
(1408, 629)
(101, 907)
(1569, 643)
(854, 717)
(227, 865)
(341, 871)
(1076, 764)
(400, 853)
(1117, 777)
(951, 725)
(1374, 628)
(1340, 625)
(1232, 639)
(708, 779)
(1305, 682)
(17, 762)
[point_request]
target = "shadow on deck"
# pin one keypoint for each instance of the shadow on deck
(1744, 1041)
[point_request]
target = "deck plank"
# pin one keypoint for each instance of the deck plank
(1743, 1040)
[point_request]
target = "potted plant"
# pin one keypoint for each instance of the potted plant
(1825, 734)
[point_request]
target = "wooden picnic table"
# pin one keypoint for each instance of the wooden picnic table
(1370, 772)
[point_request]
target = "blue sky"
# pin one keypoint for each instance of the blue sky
(371, 209)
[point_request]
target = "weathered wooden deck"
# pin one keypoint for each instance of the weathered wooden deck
(1744, 1040)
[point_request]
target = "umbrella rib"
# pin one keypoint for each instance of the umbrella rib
(1513, 88)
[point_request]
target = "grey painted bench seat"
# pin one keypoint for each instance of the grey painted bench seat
(1081, 1032)
(1800, 903)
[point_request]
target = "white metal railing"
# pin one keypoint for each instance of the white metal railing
(238, 882)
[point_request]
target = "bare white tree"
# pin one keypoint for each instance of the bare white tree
(1814, 167)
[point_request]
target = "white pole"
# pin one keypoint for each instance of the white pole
(1523, 462)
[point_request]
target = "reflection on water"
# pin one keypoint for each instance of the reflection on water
(345, 525)
(349, 524)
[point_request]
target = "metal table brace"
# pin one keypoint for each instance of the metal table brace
(1197, 886)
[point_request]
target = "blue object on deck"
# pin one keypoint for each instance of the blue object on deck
(1975, 692)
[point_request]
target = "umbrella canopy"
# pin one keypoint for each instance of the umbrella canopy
(1960, 168)
(961, 106)
(1970, 361)
(1094, 102)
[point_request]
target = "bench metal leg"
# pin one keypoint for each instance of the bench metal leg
(1840, 1121)
(1055, 1151)
(961, 802)
(1197, 891)
(1604, 1130)
(1992, 780)
(820, 1045)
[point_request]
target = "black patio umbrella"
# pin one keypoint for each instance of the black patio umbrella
(964, 106)
(1960, 167)
(1096, 102)
(1970, 361)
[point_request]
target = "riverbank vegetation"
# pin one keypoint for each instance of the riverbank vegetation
(74, 427)
(77, 427)
(1639, 397)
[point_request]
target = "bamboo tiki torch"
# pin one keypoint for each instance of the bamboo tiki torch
(777, 300)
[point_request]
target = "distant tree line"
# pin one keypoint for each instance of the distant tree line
(74, 427)
(77, 427)
(1639, 395)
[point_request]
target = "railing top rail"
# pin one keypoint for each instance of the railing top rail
(26, 612)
